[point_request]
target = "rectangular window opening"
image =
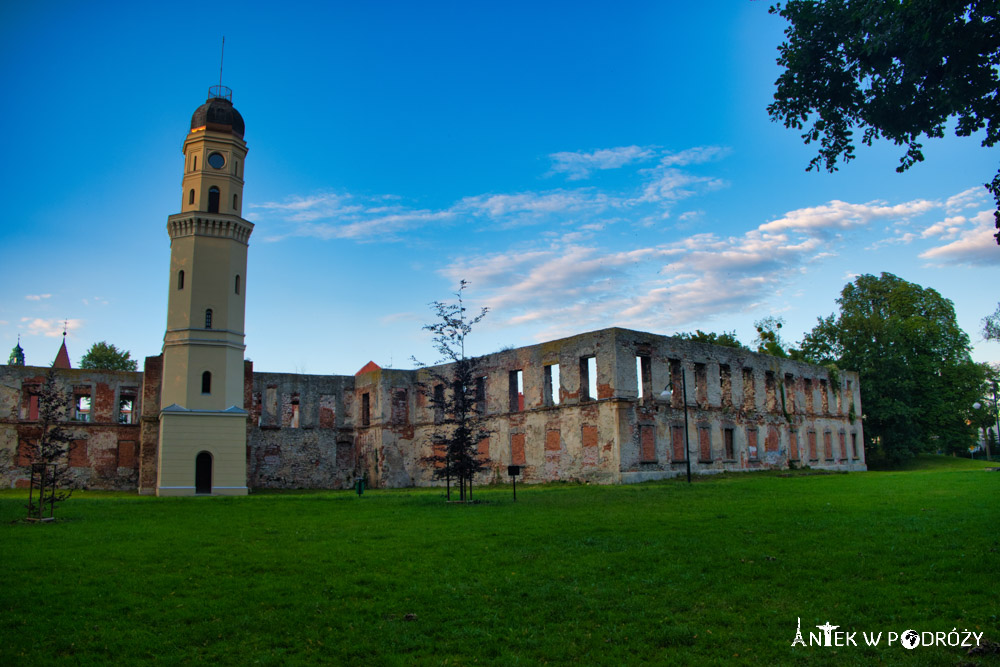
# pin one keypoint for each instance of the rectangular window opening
(515, 391)
(294, 421)
(588, 378)
(728, 437)
(438, 403)
(481, 394)
(551, 384)
(81, 405)
(644, 375)
(366, 409)
(126, 407)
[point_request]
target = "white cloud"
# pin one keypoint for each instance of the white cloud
(948, 228)
(579, 165)
(966, 199)
(37, 297)
(842, 215)
(697, 155)
(976, 246)
(51, 328)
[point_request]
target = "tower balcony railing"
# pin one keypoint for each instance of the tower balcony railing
(221, 92)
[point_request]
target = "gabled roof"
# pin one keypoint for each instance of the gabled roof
(368, 368)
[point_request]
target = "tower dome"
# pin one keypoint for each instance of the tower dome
(218, 113)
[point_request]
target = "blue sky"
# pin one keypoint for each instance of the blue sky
(582, 166)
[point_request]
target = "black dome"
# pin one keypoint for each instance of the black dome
(220, 115)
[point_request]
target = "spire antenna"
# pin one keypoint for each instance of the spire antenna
(222, 57)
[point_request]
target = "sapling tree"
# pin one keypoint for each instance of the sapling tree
(47, 455)
(456, 393)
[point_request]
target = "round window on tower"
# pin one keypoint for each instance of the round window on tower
(217, 160)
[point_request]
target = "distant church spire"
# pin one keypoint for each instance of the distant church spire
(62, 357)
(17, 354)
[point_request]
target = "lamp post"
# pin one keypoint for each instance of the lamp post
(667, 393)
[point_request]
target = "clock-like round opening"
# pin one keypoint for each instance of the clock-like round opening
(216, 160)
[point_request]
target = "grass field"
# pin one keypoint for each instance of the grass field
(663, 573)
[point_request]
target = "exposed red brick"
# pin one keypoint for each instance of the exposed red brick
(677, 441)
(484, 448)
(704, 444)
(24, 453)
(793, 445)
(589, 436)
(812, 445)
(828, 445)
(843, 445)
(553, 441)
(771, 443)
(126, 453)
(78, 454)
(22, 484)
(647, 439)
(517, 449)
(105, 462)
(103, 408)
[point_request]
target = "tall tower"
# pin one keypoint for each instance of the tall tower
(202, 444)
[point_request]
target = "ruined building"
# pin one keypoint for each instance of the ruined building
(606, 407)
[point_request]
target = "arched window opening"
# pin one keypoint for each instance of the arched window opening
(203, 473)
(208, 318)
(234, 202)
(213, 199)
(191, 196)
(236, 167)
(194, 165)
(206, 383)
(237, 283)
(180, 279)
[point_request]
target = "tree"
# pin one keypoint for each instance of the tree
(726, 338)
(918, 381)
(455, 393)
(894, 70)
(47, 456)
(991, 325)
(768, 338)
(106, 357)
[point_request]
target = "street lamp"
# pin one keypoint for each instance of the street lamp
(667, 394)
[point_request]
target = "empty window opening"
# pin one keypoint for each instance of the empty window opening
(726, 385)
(644, 375)
(588, 378)
(366, 409)
(234, 202)
(206, 382)
(676, 384)
(213, 199)
(194, 163)
(400, 409)
(126, 407)
(789, 395)
(180, 279)
(81, 405)
(770, 392)
(824, 397)
(700, 385)
(191, 196)
(438, 403)
(481, 394)
(807, 389)
(551, 382)
(294, 419)
(208, 318)
(728, 439)
(854, 444)
(749, 390)
(515, 391)
(237, 283)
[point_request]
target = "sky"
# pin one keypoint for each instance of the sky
(582, 165)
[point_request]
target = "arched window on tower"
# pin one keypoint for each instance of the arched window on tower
(191, 196)
(208, 318)
(237, 283)
(206, 383)
(180, 279)
(213, 199)
(194, 165)
(234, 202)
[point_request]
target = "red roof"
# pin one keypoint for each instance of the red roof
(368, 368)
(62, 358)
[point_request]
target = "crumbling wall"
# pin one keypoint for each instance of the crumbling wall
(106, 432)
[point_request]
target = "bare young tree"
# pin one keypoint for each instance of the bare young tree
(47, 456)
(456, 393)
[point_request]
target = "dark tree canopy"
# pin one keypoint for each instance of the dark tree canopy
(991, 325)
(894, 70)
(106, 357)
(726, 338)
(918, 381)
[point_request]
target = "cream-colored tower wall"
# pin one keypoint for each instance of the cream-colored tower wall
(221, 435)
(199, 175)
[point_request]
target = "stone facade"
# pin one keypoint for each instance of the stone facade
(588, 408)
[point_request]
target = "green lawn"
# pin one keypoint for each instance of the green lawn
(664, 573)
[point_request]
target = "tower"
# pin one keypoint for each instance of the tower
(202, 443)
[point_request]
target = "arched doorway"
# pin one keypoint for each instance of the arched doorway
(203, 473)
(213, 199)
